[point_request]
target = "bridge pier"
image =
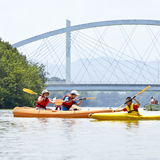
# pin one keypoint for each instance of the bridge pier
(68, 53)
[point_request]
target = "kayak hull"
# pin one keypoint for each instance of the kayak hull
(152, 107)
(122, 116)
(32, 112)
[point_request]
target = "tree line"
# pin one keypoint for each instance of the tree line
(108, 99)
(16, 73)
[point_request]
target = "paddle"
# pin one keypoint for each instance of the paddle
(30, 91)
(133, 97)
(60, 101)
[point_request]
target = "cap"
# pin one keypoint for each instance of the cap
(45, 91)
(74, 92)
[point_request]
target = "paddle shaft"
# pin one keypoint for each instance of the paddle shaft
(60, 101)
(133, 97)
(76, 100)
(81, 99)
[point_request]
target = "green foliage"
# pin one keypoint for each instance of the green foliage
(56, 79)
(17, 73)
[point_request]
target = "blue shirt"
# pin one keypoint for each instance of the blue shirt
(65, 108)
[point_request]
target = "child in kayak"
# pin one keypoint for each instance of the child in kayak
(43, 100)
(131, 107)
(71, 101)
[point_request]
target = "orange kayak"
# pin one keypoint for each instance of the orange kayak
(32, 112)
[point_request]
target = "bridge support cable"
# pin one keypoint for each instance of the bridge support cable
(135, 59)
(90, 55)
(85, 42)
(133, 64)
(94, 50)
(138, 62)
(43, 49)
(100, 39)
(99, 58)
(151, 50)
(117, 65)
(53, 54)
(75, 47)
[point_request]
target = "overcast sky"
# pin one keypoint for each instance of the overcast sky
(21, 19)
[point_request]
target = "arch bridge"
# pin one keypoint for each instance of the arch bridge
(112, 63)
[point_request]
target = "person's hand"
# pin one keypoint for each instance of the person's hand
(43, 97)
(74, 99)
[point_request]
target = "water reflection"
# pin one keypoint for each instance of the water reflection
(129, 124)
(68, 127)
(42, 120)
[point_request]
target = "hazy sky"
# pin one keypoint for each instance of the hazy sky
(21, 19)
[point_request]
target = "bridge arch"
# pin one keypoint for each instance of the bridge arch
(85, 26)
(69, 29)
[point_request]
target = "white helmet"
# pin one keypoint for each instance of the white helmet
(74, 92)
(45, 91)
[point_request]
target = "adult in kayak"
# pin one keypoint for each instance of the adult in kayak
(43, 100)
(152, 100)
(69, 100)
(131, 107)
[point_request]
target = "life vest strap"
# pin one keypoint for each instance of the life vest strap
(63, 104)
(41, 106)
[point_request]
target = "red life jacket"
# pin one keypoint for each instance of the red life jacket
(68, 105)
(60, 107)
(153, 101)
(43, 103)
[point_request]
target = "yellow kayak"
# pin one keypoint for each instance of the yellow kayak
(122, 116)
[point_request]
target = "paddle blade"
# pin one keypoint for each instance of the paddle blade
(58, 102)
(143, 91)
(28, 91)
(91, 98)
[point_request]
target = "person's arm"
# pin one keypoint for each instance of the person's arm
(66, 100)
(79, 103)
(52, 102)
(118, 110)
(137, 102)
(40, 99)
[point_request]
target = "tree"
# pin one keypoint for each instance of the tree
(55, 79)
(16, 73)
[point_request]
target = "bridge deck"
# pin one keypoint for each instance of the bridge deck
(102, 87)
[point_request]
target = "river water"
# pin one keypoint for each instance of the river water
(76, 139)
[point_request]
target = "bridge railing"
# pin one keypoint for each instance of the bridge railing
(96, 82)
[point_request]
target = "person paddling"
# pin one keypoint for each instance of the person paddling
(43, 100)
(131, 108)
(152, 100)
(71, 100)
